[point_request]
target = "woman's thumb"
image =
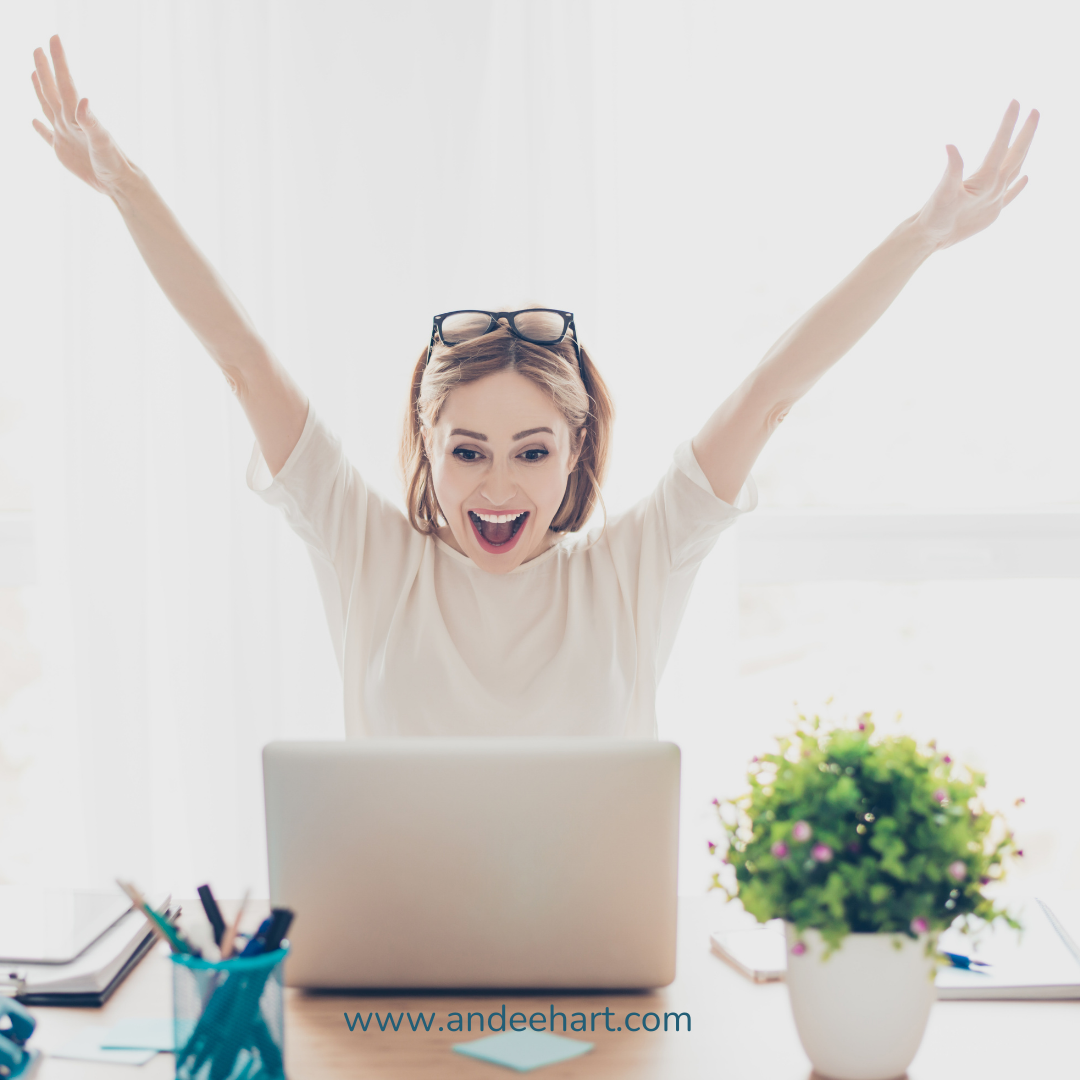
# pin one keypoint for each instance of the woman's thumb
(83, 116)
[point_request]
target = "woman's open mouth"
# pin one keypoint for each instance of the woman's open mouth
(497, 533)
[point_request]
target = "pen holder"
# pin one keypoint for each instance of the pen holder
(228, 1017)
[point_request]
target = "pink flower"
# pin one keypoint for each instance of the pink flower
(753, 759)
(941, 794)
(1020, 852)
(947, 759)
(780, 849)
(822, 853)
(919, 925)
(716, 802)
(958, 870)
(798, 949)
(802, 831)
(862, 726)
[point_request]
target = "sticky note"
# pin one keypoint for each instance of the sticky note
(144, 1033)
(86, 1046)
(524, 1050)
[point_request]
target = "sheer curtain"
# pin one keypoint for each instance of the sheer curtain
(687, 177)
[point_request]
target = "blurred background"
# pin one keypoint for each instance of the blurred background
(688, 178)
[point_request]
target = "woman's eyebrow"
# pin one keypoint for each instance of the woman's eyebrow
(470, 434)
(532, 431)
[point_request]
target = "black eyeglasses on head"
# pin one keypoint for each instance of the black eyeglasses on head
(541, 326)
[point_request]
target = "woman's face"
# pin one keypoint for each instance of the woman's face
(500, 457)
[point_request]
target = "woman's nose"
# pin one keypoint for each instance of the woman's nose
(498, 487)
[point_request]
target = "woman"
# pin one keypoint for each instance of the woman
(478, 613)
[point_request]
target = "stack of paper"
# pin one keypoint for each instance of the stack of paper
(1043, 962)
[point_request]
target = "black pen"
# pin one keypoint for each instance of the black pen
(213, 913)
(281, 920)
(268, 937)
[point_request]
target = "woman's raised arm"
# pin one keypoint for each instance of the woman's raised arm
(729, 443)
(274, 404)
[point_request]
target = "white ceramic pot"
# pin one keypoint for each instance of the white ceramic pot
(862, 1012)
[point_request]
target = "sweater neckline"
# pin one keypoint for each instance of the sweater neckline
(543, 557)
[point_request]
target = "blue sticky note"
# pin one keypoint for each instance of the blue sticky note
(524, 1050)
(86, 1046)
(143, 1033)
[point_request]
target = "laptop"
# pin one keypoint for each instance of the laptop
(475, 862)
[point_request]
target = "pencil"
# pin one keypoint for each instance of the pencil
(228, 939)
(163, 929)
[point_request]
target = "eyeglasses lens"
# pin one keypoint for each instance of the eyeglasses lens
(463, 326)
(542, 327)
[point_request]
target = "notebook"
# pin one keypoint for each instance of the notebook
(90, 978)
(53, 926)
(1044, 963)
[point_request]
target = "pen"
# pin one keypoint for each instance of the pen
(268, 937)
(281, 920)
(213, 913)
(966, 962)
(161, 927)
(257, 944)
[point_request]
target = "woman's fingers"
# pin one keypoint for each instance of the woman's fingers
(1014, 159)
(1015, 190)
(42, 130)
(41, 97)
(999, 147)
(48, 83)
(64, 82)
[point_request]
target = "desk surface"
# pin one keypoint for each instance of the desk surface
(738, 1029)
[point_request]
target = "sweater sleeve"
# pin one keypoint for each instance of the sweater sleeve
(357, 540)
(659, 544)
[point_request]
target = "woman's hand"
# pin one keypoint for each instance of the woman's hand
(729, 443)
(960, 208)
(273, 403)
(83, 146)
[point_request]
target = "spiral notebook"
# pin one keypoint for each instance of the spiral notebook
(1042, 963)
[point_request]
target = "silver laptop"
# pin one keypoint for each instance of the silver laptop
(475, 862)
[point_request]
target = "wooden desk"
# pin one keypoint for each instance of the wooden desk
(739, 1030)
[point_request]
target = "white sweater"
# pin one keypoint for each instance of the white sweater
(572, 642)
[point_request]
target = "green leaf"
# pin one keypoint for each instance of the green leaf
(876, 801)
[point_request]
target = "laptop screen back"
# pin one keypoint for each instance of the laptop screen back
(476, 862)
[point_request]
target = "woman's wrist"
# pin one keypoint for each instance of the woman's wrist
(127, 186)
(914, 238)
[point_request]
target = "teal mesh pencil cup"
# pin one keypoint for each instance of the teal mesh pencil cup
(229, 1017)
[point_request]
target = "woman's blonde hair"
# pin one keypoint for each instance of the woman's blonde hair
(580, 396)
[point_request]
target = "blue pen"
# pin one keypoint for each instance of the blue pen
(257, 944)
(965, 962)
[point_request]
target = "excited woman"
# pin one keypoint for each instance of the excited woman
(481, 611)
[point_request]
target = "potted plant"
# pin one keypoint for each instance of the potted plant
(867, 847)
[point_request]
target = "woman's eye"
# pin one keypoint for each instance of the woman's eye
(463, 453)
(535, 455)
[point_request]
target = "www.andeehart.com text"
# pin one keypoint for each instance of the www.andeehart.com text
(553, 1020)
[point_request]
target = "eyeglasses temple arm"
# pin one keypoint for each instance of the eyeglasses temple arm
(431, 343)
(577, 350)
